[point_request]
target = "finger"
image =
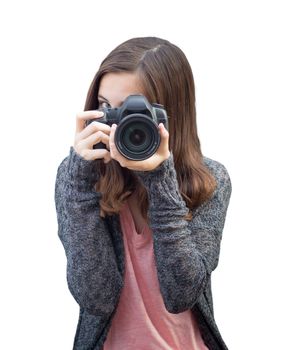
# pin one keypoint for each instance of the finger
(92, 154)
(92, 128)
(112, 146)
(164, 145)
(107, 157)
(86, 115)
(97, 137)
(113, 150)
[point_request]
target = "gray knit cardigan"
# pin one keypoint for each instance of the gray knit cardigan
(186, 252)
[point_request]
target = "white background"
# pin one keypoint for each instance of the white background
(240, 55)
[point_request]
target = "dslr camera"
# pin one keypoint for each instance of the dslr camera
(137, 136)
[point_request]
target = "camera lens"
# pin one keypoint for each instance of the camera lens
(137, 137)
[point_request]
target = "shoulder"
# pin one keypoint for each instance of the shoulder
(223, 189)
(217, 169)
(211, 213)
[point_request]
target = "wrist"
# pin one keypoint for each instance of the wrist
(161, 171)
(81, 169)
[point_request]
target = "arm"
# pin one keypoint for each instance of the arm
(186, 252)
(92, 273)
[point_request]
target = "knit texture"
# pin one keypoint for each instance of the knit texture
(186, 252)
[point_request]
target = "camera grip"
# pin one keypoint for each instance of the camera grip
(99, 145)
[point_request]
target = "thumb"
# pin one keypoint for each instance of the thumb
(164, 145)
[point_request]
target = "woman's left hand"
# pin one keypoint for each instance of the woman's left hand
(142, 165)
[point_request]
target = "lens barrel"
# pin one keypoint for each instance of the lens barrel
(137, 137)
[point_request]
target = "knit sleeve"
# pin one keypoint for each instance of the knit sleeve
(186, 252)
(92, 273)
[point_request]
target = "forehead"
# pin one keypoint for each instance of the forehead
(115, 87)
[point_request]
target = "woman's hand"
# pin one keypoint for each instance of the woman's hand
(87, 137)
(142, 165)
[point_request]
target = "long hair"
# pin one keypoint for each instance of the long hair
(167, 79)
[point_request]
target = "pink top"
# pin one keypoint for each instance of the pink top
(141, 320)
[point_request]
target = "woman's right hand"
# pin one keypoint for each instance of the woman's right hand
(87, 136)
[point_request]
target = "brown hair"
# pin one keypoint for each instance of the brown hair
(167, 79)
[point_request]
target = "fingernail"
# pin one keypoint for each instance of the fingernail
(99, 113)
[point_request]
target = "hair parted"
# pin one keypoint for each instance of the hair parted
(167, 79)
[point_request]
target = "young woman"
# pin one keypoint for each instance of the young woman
(142, 237)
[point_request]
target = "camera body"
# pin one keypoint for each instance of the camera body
(137, 136)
